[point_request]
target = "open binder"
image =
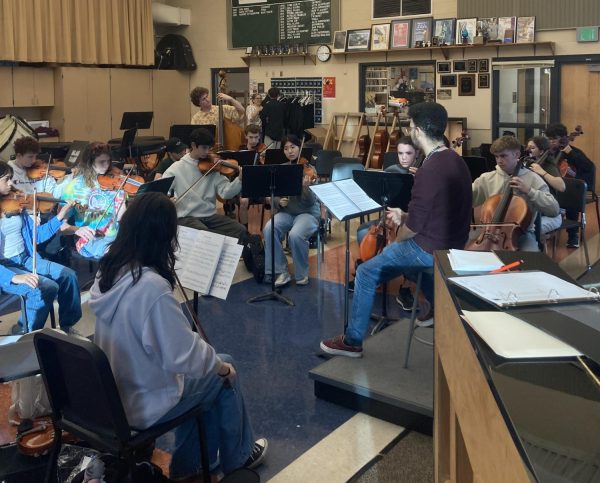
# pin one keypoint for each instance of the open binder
(345, 199)
(206, 261)
(524, 288)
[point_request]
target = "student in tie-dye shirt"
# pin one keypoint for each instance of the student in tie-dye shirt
(101, 209)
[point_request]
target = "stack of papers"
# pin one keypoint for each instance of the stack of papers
(513, 338)
(464, 262)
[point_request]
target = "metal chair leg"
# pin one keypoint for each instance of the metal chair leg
(413, 317)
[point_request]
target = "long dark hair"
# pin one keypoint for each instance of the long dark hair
(147, 237)
(87, 165)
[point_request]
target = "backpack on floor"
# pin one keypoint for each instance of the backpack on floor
(253, 255)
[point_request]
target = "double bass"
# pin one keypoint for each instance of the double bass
(504, 218)
(230, 135)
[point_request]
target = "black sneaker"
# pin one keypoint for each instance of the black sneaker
(258, 454)
(573, 241)
(405, 298)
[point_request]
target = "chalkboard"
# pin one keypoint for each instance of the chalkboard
(276, 22)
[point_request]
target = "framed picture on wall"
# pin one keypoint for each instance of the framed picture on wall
(444, 67)
(380, 36)
(358, 39)
(339, 41)
(400, 34)
(484, 65)
(443, 29)
(472, 65)
(525, 29)
(459, 65)
(488, 26)
(466, 85)
(466, 29)
(448, 80)
(421, 31)
(506, 29)
(483, 81)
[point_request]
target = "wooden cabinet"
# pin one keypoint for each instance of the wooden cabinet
(6, 87)
(82, 109)
(170, 100)
(131, 91)
(33, 86)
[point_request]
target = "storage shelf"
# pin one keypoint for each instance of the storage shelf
(445, 50)
(312, 57)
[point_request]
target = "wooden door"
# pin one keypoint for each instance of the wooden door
(170, 100)
(6, 89)
(33, 86)
(580, 104)
(130, 91)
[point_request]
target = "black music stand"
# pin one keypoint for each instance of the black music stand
(244, 158)
(389, 190)
(273, 180)
(138, 120)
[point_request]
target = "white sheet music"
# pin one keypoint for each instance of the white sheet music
(228, 262)
(511, 337)
(344, 198)
(523, 288)
(198, 258)
(465, 262)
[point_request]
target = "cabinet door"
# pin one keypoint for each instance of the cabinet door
(171, 100)
(33, 87)
(130, 91)
(6, 87)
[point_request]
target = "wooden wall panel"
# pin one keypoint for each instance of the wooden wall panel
(170, 100)
(6, 87)
(130, 91)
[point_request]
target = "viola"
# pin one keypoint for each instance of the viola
(227, 167)
(378, 236)
(115, 180)
(308, 169)
(40, 169)
(505, 218)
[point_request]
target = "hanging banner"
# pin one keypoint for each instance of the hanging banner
(328, 86)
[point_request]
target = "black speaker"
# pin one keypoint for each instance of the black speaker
(174, 52)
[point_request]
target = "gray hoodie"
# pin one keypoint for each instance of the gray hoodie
(149, 344)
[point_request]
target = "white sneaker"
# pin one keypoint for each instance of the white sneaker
(302, 281)
(283, 279)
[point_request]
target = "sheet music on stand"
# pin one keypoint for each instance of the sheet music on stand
(206, 261)
(345, 199)
(524, 288)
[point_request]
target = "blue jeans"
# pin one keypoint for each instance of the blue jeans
(301, 228)
(398, 258)
(226, 424)
(55, 281)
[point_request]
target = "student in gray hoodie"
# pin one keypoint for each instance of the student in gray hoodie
(163, 368)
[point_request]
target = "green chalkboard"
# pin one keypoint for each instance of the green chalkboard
(272, 22)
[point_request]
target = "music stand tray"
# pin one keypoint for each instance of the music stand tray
(162, 185)
(138, 120)
(244, 158)
(389, 189)
(273, 180)
(277, 156)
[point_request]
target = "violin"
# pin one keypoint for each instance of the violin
(16, 201)
(115, 180)
(308, 169)
(505, 218)
(460, 140)
(40, 169)
(227, 167)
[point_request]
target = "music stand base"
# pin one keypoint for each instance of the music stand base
(273, 295)
(382, 322)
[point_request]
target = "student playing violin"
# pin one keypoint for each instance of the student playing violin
(298, 215)
(252, 144)
(197, 192)
(26, 151)
(50, 281)
(103, 208)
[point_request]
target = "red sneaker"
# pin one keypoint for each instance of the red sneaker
(338, 347)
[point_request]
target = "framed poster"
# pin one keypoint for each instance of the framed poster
(400, 35)
(466, 85)
(460, 65)
(488, 27)
(339, 41)
(466, 28)
(448, 80)
(472, 65)
(483, 81)
(380, 36)
(525, 30)
(506, 29)
(443, 29)
(358, 39)
(443, 67)
(444, 94)
(484, 65)
(421, 31)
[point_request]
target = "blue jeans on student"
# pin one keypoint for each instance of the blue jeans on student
(403, 258)
(226, 424)
(55, 282)
(301, 228)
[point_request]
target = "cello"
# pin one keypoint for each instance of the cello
(563, 165)
(504, 218)
(230, 135)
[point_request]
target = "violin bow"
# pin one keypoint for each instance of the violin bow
(34, 262)
(112, 203)
(257, 154)
(47, 171)
(191, 313)
(195, 183)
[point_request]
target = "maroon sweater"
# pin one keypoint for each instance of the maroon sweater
(441, 201)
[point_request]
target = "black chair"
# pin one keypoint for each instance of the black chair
(324, 162)
(85, 401)
(389, 159)
(6, 299)
(316, 147)
(345, 160)
(477, 166)
(592, 196)
(572, 199)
